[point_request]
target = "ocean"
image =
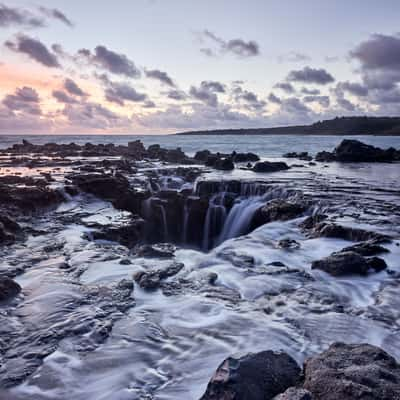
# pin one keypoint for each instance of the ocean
(264, 146)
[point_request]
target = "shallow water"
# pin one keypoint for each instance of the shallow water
(167, 345)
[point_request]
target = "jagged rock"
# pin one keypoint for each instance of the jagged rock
(244, 157)
(202, 155)
(156, 251)
(367, 249)
(352, 372)
(259, 376)
(224, 164)
(152, 279)
(288, 244)
(128, 234)
(344, 232)
(356, 151)
(277, 210)
(268, 166)
(311, 221)
(8, 288)
(347, 263)
(295, 394)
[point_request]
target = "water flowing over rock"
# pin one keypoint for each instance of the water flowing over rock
(353, 372)
(295, 394)
(259, 376)
(349, 262)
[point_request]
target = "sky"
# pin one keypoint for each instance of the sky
(164, 66)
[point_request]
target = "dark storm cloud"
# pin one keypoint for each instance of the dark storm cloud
(239, 47)
(24, 99)
(311, 75)
(34, 49)
(12, 16)
(63, 97)
(56, 14)
(353, 88)
(111, 61)
(121, 92)
(176, 95)
(272, 98)
(72, 88)
(293, 57)
(161, 76)
(345, 104)
(285, 86)
(379, 52)
(324, 101)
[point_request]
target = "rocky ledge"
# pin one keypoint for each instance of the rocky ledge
(343, 371)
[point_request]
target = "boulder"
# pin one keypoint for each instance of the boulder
(352, 372)
(268, 166)
(224, 164)
(259, 376)
(8, 288)
(152, 279)
(367, 249)
(244, 157)
(348, 263)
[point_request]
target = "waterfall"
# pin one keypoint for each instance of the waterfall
(185, 219)
(165, 223)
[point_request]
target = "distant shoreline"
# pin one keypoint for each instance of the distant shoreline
(354, 126)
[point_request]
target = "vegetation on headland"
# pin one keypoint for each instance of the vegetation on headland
(337, 126)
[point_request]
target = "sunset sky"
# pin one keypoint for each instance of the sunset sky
(162, 66)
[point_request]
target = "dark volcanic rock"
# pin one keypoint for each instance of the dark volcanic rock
(347, 263)
(224, 164)
(277, 210)
(152, 279)
(156, 251)
(267, 166)
(8, 288)
(259, 376)
(353, 372)
(301, 156)
(244, 157)
(344, 232)
(367, 249)
(356, 151)
(295, 394)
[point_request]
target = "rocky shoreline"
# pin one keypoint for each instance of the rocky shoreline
(66, 208)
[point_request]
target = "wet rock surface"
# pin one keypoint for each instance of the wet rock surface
(352, 372)
(259, 376)
(8, 288)
(269, 166)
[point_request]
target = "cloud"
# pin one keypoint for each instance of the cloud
(176, 95)
(118, 92)
(379, 52)
(293, 57)
(72, 88)
(213, 86)
(204, 95)
(34, 49)
(310, 92)
(294, 106)
(116, 63)
(311, 75)
(12, 16)
(56, 14)
(250, 99)
(345, 104)
(24, 99)
(285, 86)
(238, 47)
(274, 99)
(323, 101)
(161, 76)
(353, 88)
(63, 97)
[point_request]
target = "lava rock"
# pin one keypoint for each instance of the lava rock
(267, 166)
(352, 372)
(347, 263)
(8, 288)
(347, 233)
(277, 210)
(295, 394)
(259, 376)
